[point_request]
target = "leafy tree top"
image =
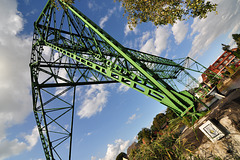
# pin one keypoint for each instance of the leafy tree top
(163, 12)
(159, 121)
(170, 114)
(67, 1)
(144, 133)
(121, 156)
(236, 52)
(236, 38)
(56, 3)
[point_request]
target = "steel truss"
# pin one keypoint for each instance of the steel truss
(69, 50)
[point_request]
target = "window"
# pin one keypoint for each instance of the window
(215, 65)
(230, 57)
(221, 59)
(220, 67)
(225, 62)
(225, 55)
(236, 60)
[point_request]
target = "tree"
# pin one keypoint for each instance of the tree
(236, 38)
(214, 80)
(121, 156)
(235, 52)
(226, 48)
(163, 12)
(133, 146)
(170, 114)
(56, 3)
(67, 1)
(230, 70)
(159, 121)
(145, 133)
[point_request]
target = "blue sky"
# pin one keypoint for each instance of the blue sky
(107, 124)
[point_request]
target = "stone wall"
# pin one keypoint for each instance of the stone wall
(227, 113)
(226, 148)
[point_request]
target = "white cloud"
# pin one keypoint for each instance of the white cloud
(14, 78)
(93, 158)
(62, 73)
(104, 19)
(89, 133)
(200, 79)
(161, 36)
(179, 30)
(32, 139)
(149, 47)
(131, 118)
(14, 60)
(144, 38)
(90, 5)
(34, 11)
(94, 102)
(114, 149)
(127, 30)
(123, 88)
(94, 6)
(11, 148)
(59, 90)
(139, 42)
(11, 19)
(166, 55)
(157, 43)
(207, 30)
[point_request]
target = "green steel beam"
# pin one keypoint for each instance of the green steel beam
(70, 50)
(168, 96)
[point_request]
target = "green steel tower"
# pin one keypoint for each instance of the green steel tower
(69, 50)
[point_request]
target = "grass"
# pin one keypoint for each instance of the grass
(167, 146)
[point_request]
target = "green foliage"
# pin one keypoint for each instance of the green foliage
(165, 11)
(56, 3)
(159, 121)
(236, 38)
(226, 74)
(168, 146)
(165, 147)
(237, 53)
(66, 1)
(175, 124)
(121, 156)
(170, 114)
(153, 129)
(144, 133)
(226, 47)
(213, 79)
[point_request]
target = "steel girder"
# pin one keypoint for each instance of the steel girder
(69, 50)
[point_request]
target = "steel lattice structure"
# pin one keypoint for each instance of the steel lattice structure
(69, 50)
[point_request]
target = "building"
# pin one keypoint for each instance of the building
(219, 66)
